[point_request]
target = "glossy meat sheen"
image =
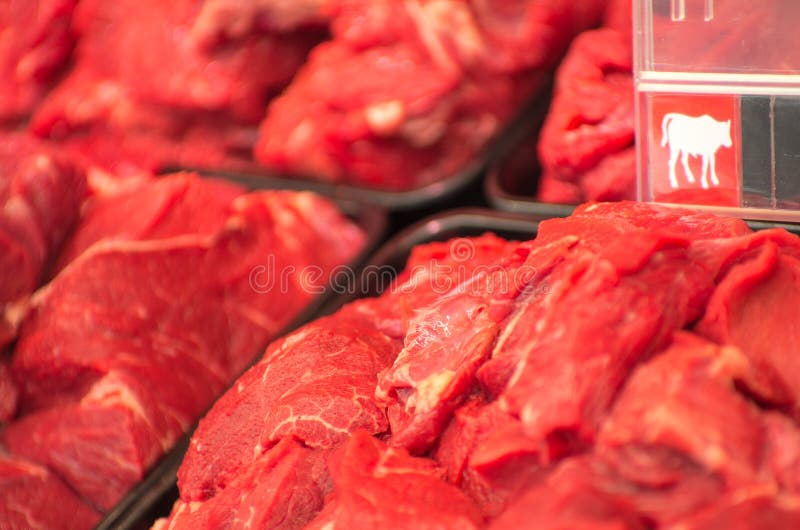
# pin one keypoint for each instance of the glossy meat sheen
(41, 192)
(31, 498)
(35, 46)
(149, 91)
(586, 144)
(656, 405)
(375, 486)
(282, 490)
(430, 84)
(315, 385)
(107, 387)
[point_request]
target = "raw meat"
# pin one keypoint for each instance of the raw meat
(429, 84)
(531, 407)
(35, 46)
(40, 196)
(31, 498)
(282, 490)
(486, 453)
(147, 92)
(221, 20)
(758, 510)
(751, 308)
(586, 147)
(106, 387)
(9, 394)
(376, 486)
(569, 500)
(315, 385)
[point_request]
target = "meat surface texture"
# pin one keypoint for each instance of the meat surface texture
(586, 147)
(153, 85)
(35, 46)
(106, 388)
(608, 374)
(33, 498)
(41, 191)
(428, 85)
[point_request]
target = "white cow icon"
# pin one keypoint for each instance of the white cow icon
(695, 136)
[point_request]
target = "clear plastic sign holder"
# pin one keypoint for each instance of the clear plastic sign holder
(718, 105)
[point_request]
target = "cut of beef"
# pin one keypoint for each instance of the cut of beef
(315, 385)
(104, 122)
(433, 270)
(282, 490)
(586, 145)
(429, 84)
(9, 394)
(221, 20)
(107, 387)
(486, 453)
(144, 93)
(567, 373)
(40, 196)
(161, 209)
(751, 308)
(544, 410)
(376, 486)
(754, 511)
(36, 43)
(31, 498)
(570, 500)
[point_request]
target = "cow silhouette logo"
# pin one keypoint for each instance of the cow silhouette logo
(694, 136)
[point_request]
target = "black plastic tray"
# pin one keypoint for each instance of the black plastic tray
(153, 497)
(413, 199)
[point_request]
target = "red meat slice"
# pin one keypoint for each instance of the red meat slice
(751, 308)
(220, 20)
(376, 486)
(9, 394)
(176, 344)
(782, 450)
(570, 500)
(104, 122)
(580, 354)
(32, 498)
(120, 41)
(446, 342)
(102, 445)
(379, 130)
(157, 209)
(40, 197)
(36, 43)
(433, 270)
(587, 137)
(756, 510)
(443, 349)
(315, 385)
(487, 454)
(282, 490)
(145, 94)
(686, 399)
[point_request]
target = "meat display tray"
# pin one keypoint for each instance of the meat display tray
(154, 496)
(413, 199)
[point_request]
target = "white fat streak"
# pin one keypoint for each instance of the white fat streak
(111, 246)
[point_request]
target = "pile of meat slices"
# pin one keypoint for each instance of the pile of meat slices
(148, 308)
(633, 367)
(390, 93)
